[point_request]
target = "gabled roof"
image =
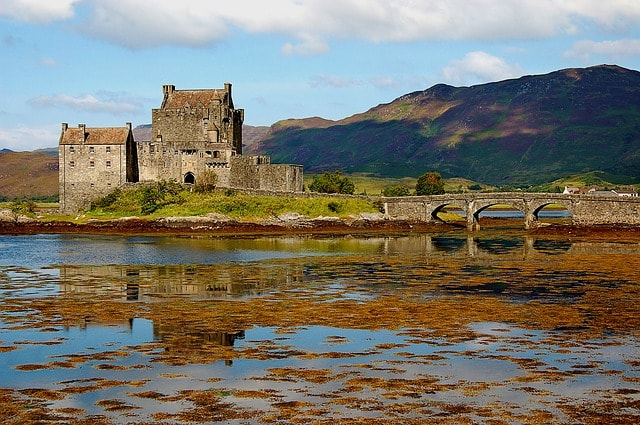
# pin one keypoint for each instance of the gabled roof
(179, 99)
(95, 135)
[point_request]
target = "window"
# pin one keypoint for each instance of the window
(91, 149)
(108, 164)
(93, 185)
(72, 149)
(92, 164)
(108, 148)
(72, 164)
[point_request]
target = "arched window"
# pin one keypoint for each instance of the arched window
(189, 178)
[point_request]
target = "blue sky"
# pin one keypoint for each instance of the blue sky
(103, 62)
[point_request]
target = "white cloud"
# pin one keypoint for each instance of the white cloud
(148, 23)
(612, 49)
(110, 103)
(310, 24)
(29, 138)
(479, 67)
(37, 11)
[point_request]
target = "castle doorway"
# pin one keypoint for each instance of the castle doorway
(189, 178)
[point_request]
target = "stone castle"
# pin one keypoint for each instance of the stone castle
(193, 131)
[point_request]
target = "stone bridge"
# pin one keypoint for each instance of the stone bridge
(584, 209)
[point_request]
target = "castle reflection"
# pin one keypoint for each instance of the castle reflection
(149, 282)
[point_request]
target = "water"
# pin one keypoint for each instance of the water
(441, 327)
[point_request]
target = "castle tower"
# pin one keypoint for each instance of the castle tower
(192, 131)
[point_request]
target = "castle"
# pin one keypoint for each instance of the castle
(192, 131)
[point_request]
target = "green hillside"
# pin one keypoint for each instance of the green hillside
(519, 132)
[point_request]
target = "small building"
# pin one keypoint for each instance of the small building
(626, 193)
(92, 162)
(571, 190)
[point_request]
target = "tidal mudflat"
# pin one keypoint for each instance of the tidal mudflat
(450, 328)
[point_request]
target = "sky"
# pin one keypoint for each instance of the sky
(103, 62)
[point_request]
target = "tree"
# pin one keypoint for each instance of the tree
(399, 190)
(332, 183)
(430, 183)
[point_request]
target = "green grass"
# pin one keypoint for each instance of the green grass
(235, 205)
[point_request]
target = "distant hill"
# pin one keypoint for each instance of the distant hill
(142, 133)
(523, 131)
(252, 135)
(29, 174)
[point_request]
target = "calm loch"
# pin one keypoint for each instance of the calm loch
(489, 328)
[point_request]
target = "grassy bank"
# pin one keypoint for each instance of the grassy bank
(156, 201)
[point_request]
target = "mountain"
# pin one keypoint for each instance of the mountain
(523, 131)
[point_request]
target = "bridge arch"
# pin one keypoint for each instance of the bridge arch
(538, 207)
(439, 207)
(477, 206)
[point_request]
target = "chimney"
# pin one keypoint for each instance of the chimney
(168, 89)
(128, 125)
(83, 132)
(65, 126)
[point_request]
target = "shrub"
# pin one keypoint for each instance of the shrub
(106, 201)
(155, 196)
(206, 181)
(430, 183)
(23, 207)
(334, 206)
(332, 183)
(399, 190)
(474, 186)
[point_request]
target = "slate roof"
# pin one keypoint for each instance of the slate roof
(178, 99)
(95, 136)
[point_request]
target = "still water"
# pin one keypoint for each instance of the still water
(495, 327)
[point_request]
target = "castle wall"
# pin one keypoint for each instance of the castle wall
(258, 173)
(88, 172)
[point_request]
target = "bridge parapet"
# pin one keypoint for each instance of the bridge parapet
(584, 209)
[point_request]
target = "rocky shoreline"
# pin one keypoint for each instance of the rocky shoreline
(216, 225)
(289, 224)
